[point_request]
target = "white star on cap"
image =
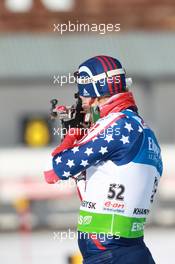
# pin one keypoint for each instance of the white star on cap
(84, 163)
(70, 163)
(103, 150)
(109, 138)
(88, 151)
(58, 160)
(124, 139)
(128, 127)
(75, 149)
(66, 173)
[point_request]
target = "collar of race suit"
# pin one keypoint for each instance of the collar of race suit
(117, 103)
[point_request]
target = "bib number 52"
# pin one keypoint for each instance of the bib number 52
(116, 191)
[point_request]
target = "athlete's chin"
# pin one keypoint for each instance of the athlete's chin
(85, 107)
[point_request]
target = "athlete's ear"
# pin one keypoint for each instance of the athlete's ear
(102, 100)
(93, 101)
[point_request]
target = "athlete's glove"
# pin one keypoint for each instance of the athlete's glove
(50, 176)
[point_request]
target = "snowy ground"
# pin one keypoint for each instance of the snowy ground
(47, 248)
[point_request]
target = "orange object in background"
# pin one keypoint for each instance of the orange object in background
(75, 259)
(22, 206)
(36, 131)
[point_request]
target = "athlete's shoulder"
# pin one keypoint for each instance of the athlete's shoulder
(111, 117)
(135, 118)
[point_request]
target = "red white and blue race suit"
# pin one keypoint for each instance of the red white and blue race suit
(122, 160)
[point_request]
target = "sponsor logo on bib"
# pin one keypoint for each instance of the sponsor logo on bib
(137, 227)
(84, 220)
(114, 206)
(141, 211)
(88, 204)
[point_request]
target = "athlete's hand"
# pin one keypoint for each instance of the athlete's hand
(50, 176)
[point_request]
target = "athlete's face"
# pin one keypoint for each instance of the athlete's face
(87, 102)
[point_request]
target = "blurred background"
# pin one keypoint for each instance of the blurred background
(41, 40)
